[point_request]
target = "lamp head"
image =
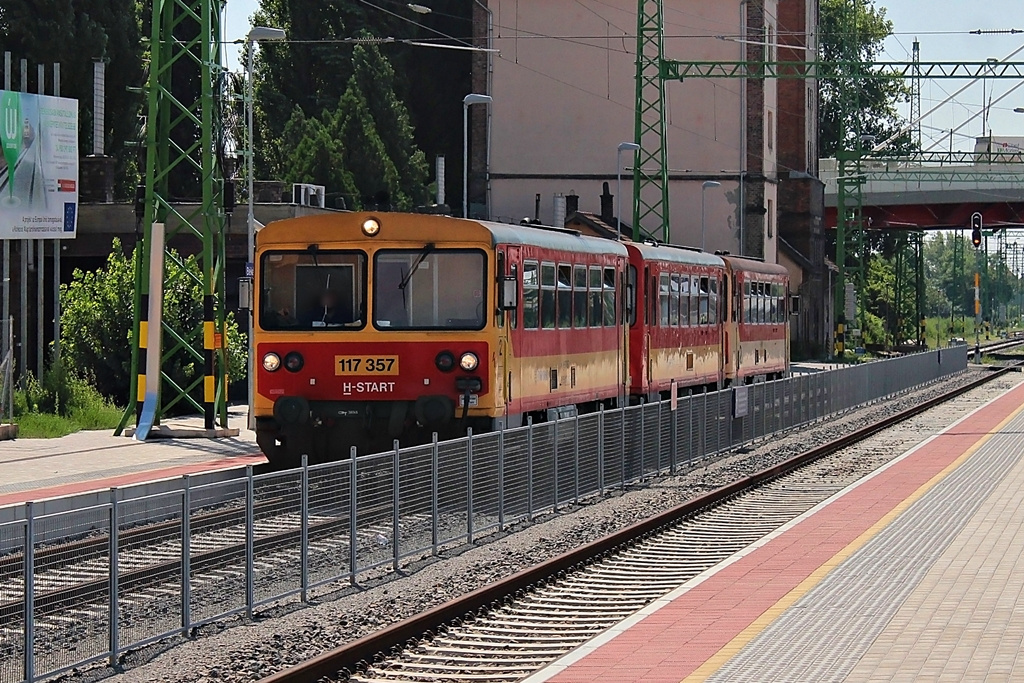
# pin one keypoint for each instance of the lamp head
(710, 183)
(628, 147)
(264, 34)
(474, 98)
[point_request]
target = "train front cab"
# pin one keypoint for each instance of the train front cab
(408, 346)
(757, 328)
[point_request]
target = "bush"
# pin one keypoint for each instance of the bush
(96, 324)
(61, 403)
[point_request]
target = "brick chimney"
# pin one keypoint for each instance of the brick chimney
(572, 203)
(607, 206)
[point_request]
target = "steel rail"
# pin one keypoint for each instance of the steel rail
(351, 656)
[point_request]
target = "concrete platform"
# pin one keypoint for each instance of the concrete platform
(913, 573)
(38, 469)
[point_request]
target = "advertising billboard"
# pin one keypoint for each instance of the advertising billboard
(39, 166)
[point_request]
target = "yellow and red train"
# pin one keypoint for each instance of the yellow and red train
(375, 327)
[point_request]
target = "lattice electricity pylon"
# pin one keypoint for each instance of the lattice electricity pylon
(184, 144)
(650, 176)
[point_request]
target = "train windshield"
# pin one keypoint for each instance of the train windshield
(429, 289)
(312, 290)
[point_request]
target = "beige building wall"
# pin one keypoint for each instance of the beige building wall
(564, 92)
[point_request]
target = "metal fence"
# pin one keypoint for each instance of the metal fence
(90, 584)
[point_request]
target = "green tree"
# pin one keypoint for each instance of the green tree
(74, 34)
(853, 32)
(364, 148)
(96, 325)
(313, 71)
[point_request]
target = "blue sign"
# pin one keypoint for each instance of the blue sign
(250, 269)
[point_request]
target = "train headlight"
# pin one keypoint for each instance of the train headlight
(469, 361)
(293, 362)
(371, 226)
(271, 362)
(445, 361)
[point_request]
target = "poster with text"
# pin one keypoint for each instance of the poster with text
(39, 166)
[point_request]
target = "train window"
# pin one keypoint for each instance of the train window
(312, 291)
(531, 295)
(631, 293)
(594, 297)
(762, 304)
(673, 301)
(714, 300)
(609, 297)
(579, 296)
(684, 300)
(547, 295)
(694, 301)
(664, 296)
(429, 288)
(748, 316)
(564, 296)
(705, 293)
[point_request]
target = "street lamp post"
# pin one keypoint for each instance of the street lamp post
(257, 34)
(703, 227)
(623, 147)
(467, 101)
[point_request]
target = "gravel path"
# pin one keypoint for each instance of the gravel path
(239, 650)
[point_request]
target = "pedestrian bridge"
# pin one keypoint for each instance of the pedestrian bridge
(929, 195)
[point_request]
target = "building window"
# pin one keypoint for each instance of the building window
(771, 217)
(770, 130)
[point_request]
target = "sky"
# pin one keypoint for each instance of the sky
(942, 29)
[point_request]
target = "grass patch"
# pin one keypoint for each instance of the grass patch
(61, 404)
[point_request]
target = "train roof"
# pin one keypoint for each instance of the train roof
(755, 266)
(552, 238)
(675, 254)
(345, 226)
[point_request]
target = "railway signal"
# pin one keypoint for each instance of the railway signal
(976, 229)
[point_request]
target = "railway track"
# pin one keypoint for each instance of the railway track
(509, 629)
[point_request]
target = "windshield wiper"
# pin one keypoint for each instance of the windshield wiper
(416, 264)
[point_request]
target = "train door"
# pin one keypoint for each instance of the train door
(723, 328)
(650, 313)
(508, 335)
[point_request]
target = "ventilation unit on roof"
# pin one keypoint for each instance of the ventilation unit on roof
(305, 194)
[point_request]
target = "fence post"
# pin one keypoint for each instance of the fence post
(501, 477)
(395, 504)
(674, 432)
(186, 554)
(304, 530)
(30, 596)
(576, 458)
(353, 511)
(600, 449)
(554, 468)
(433, 492)
(643, 437)
(622, 447)
(250, 524)
(529, 468)
(114, 570)
(469, 485)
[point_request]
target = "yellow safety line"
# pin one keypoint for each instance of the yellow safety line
(730, 649)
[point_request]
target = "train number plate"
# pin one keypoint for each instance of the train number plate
(366, 365)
